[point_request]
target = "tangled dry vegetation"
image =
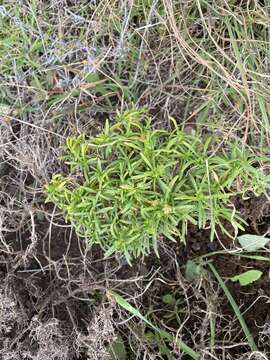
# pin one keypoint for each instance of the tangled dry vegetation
(66, 66)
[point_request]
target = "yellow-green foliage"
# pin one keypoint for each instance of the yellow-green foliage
(137, 184)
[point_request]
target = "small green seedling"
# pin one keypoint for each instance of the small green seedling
(173, 308)
(168, 299)
(194, 270)
(159, 345)
(117, 350)
(248, 277)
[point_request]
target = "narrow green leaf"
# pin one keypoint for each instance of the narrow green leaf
(236, 309)
(127, 306)
(255, 257)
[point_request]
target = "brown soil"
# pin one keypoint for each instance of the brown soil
(58, 278)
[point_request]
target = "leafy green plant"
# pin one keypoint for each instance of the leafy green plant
(132, 184)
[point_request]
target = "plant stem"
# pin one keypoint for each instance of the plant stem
(236, 309)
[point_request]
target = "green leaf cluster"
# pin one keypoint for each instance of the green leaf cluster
(133, 184)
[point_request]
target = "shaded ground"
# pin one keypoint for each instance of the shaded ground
(53, 293)
(253, 299)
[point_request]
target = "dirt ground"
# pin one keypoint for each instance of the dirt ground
(54, 303)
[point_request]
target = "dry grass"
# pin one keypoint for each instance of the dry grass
(64, 67)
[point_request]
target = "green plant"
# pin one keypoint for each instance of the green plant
(247, 277)
(251, 242)
(164, 335)
(173, 308)
(158, 345)
(117, 350)
(132, 184)
(236, 309)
